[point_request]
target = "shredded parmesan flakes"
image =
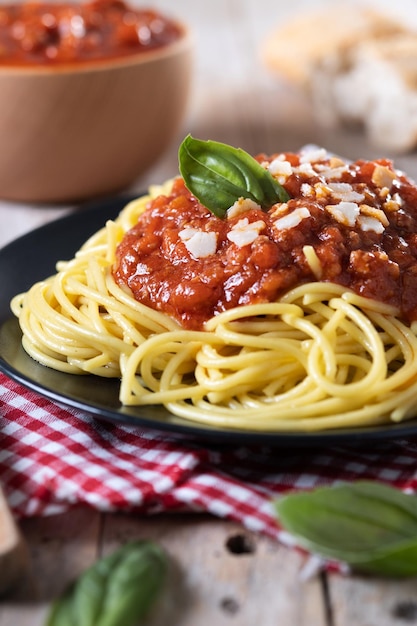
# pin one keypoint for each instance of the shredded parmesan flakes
(383, 193)
(311, 154)
(242, 205)
(307, 190)
(321, 190)
(244, 232)
(397, 198)
(344, 191)
(344, 212)
(371, 211)
(331, 173)
(391, 206)
(200, 244)
(336, 162)
(305, 169)
(279, 209)
(292, 219)
(383, 177)
(280, 168)
(370, 223)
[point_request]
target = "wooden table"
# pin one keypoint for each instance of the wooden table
(220, 573)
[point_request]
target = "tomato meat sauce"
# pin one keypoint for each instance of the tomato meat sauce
(354, 224)
(51, 33)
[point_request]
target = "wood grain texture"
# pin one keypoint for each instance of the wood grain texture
(373, 602)
(221, 574)
(60, 548)
(218, 574)
(13, 554)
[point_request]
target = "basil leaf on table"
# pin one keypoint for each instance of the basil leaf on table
(117, 590)
(369, 525)
(218, 174)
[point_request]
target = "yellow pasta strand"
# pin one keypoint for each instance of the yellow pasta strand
(320, 358)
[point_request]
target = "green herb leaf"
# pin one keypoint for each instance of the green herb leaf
(218, 174)
(118, 590)
(370, 526)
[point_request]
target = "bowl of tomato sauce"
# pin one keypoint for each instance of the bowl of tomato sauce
(91, 95)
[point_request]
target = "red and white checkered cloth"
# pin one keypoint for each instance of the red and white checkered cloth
(52, 458)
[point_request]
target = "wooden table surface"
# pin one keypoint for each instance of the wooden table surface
(220, 573)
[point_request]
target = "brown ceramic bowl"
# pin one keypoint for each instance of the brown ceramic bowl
(71, 133)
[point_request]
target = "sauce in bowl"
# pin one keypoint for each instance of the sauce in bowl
(62, 33)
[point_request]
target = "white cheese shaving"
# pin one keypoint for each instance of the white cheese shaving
(377, 214)
(200, 244)
(367, 223)
(242, 205)
(306, 169)
(397, 199)
(307, 190)
(344, 191)
(244, 232)
(345, 212)
(321, 190)
(279, 209)
(311, 154)
(280, 168)
(331, 173)
(383, 176)
(292, 219)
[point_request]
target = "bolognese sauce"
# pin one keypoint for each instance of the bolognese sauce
(354, 224)
(66, 32)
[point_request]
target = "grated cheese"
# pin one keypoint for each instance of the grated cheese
(332, 173)
(382, 176)
(371, 211)
(280, 168)
(242, 205)
(200, 244)
(244, 232)
(292, 219)
(391, 205)
(307, 190)
(345, 191)
(279, 209)
(321, 190)
(345, 212)
(305, 169)
(311, 154)
(367, 223)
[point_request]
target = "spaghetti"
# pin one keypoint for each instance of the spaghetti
(320, 355)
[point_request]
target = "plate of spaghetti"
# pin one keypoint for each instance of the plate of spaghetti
(261, 299)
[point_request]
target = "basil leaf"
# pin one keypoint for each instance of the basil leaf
(370, 526)
(218, 174)
(117, 590)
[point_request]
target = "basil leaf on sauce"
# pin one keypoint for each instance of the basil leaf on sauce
(218, 174)
(118, 590)
(370, 526)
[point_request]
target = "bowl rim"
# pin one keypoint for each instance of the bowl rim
(183, 43)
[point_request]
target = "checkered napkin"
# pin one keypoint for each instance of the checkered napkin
(52, 458)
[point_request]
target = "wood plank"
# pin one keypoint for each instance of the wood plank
(371, 601)
(13, 553)
(60, 548)
(220, 573)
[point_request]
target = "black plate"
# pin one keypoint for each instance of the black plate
(33, 257)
